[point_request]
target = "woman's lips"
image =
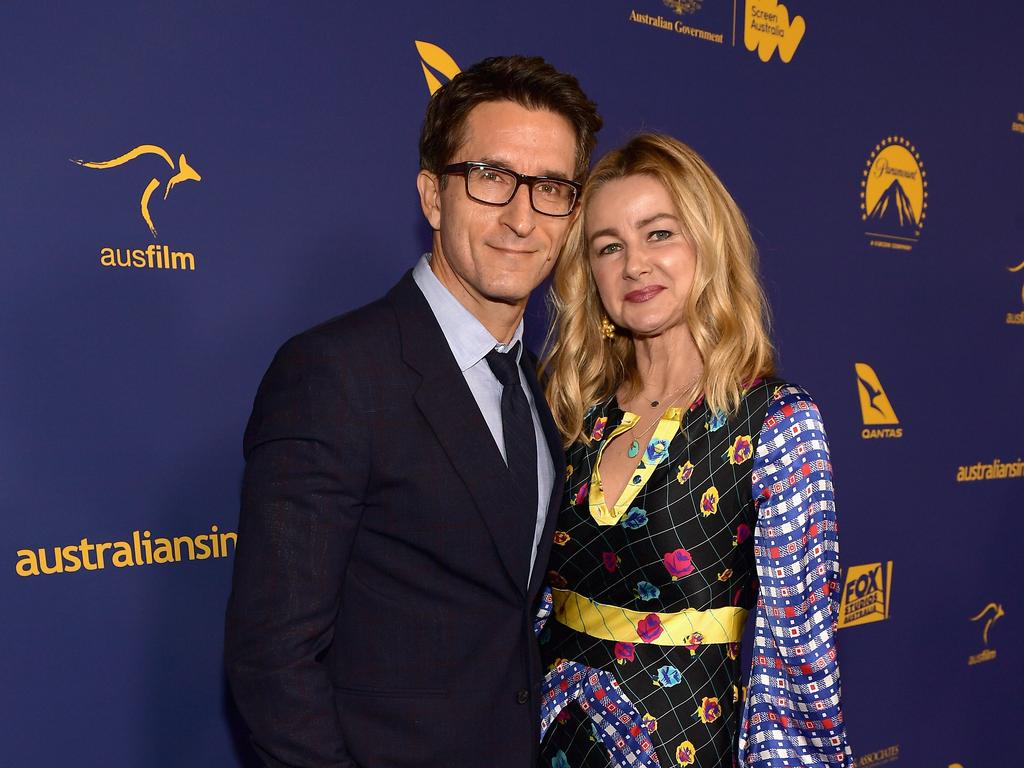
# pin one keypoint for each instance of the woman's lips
(644, 294)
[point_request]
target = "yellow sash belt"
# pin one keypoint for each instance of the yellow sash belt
(609, 622)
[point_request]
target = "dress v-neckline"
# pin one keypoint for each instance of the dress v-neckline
(655, 452)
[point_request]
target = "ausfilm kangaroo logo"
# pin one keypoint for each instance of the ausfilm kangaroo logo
(436, 64)
(153, 256)
(894, 195)
(1017, 318)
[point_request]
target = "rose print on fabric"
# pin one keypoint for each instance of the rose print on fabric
(693, 642)
(678, 563)
(686, 754)
(650, 722)
(657, 451)
(742, 449)
(599, 426)
(581, 494)
(610, 561)
(742, 533)
(634, 519)
(668, 676)
(561, 538)
(649, 628)
(709, 709)
(716, 422)
(684, 473)
(646, 591)
(709, 502)
(625, 652)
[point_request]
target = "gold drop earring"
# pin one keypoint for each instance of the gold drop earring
(607, 328)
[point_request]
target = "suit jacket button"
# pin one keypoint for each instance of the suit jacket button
(522, 696)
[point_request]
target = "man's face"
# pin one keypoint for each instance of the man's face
(485, 254)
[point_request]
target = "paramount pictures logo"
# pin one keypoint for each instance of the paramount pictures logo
(894, 195)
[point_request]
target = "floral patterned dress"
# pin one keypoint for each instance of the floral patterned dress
(651, 591)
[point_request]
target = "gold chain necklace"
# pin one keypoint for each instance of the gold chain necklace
(634, 447)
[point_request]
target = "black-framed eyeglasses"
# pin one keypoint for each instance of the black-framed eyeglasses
(491, 185)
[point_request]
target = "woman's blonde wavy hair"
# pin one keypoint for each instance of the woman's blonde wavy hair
(727, 312)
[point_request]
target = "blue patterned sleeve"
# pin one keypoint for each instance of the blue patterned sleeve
(792, 714)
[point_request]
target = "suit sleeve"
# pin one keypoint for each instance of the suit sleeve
(306, 450)
(792, 714)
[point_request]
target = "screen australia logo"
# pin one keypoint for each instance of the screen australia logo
(875, 409)
(866, 594)
(894, 195)
(153, 256)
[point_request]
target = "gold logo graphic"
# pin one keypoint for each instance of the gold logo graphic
(767, 26)
(684, 6)
(866, 594)
(879, 757)
(875, 408)
(185, 172)
(894, 194)
(1017, 126)
(433, 58)
(991, 613)
(1017, 318)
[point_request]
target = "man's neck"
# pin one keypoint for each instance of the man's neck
(499, 318)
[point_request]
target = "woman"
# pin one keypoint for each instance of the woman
(694, 475)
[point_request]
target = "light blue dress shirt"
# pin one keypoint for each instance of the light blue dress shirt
(470, 342)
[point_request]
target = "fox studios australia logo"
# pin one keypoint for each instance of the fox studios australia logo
(153, 256)
(866, 594)
(986, 617)
(894, 195)
(875, 409)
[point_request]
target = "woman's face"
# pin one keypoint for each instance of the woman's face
(642, 261)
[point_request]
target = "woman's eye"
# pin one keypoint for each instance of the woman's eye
(660, 234)
(610, 248)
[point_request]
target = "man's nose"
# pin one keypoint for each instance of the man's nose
(518, 215)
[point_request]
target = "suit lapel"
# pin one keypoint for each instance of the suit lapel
(449, 407)
(554, 444)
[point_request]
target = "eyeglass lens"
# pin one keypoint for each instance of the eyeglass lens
(492, 185)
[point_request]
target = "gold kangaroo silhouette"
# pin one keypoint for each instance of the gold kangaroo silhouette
(185, 173)
(997, 611)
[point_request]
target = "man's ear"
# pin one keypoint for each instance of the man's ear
(429, 187)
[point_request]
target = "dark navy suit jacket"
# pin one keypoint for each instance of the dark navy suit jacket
(380, 615)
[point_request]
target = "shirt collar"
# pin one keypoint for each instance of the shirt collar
(468, 339)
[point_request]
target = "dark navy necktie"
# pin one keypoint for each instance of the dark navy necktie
(516, 424)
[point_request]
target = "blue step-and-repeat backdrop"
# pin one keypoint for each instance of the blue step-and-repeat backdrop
(187, 184)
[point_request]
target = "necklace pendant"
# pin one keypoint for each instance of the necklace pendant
(634, 449)
(654, 403)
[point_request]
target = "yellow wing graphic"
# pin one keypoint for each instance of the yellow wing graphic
(437, 59)
(185, 173)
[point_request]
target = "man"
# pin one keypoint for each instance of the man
(403, 470)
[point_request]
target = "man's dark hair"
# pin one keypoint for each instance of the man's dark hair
(526, 80)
